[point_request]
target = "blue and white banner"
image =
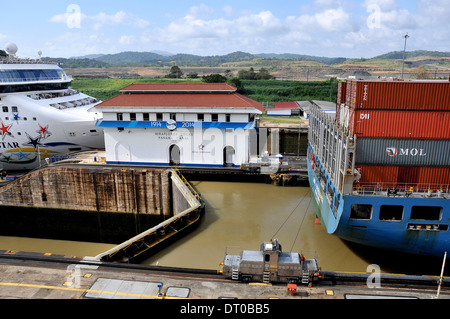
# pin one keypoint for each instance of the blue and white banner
(172, 125)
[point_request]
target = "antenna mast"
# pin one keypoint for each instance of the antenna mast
(404, 54)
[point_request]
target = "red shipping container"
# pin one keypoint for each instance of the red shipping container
(342, 93)
(434, 175)
(391, 175)
(399, 124)
(398, 95)
(378, 174)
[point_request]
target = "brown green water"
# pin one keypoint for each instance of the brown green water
(242, 216)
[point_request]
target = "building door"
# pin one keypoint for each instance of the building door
(123, 153)
(228, 156)
(174, 155)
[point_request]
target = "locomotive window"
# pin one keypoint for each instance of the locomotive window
(267, 257)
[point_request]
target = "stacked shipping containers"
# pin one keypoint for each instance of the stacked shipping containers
(403, 130)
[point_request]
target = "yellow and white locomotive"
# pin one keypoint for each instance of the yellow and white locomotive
(270, 264)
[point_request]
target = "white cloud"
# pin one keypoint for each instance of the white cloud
(119, 18)
(127, 40)
(383, 5)
(200, 11)
(334, 20)
(325, 27)
(101, 19)
(228, 10)
(72, 20)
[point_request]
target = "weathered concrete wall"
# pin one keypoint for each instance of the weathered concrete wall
(85, 203)
(92, 189)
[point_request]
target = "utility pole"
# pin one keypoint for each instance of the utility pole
(404, 54)
(442, 275)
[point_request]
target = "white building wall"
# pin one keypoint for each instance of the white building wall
(279, 112)
(199, 147)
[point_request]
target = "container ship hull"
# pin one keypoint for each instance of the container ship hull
(380, 170)
(398, 232)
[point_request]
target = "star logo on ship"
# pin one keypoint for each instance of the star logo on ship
(43, 131)
(35, 142)
(4, 129)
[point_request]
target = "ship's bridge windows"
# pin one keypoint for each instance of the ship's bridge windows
(391, 212)
(361, 211)
(426, 213)
(31, 75)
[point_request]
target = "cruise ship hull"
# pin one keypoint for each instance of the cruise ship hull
(401, 232)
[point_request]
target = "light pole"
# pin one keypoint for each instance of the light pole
(404, 54)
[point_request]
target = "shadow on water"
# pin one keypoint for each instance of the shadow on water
(398, 262)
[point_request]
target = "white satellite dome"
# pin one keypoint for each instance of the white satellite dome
(11, 48)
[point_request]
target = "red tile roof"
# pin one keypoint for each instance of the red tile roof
(206, 100)
(285, 105)
(180, 87)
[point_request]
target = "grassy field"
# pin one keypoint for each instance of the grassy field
(261, 91)
(105, 89)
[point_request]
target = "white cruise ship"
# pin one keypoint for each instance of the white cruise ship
(40, 115)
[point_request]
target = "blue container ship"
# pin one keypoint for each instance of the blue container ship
(409, 218)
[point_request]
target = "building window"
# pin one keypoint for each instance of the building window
(426, 213)
(159, 117)
(146, 117)
(391, 212)
(120, 116)
(173, 116)
(228, 118)
(201, 117)
(132, 116)
(215, 117)
(14, 109)
(5, 109)
(361, 212)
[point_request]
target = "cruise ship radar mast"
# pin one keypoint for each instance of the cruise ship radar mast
(11, 49)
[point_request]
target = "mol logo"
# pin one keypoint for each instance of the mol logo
(393, 151)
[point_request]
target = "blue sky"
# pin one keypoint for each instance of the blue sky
(333, 28)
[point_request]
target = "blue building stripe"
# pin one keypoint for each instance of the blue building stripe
(166, 164)
(185, 124)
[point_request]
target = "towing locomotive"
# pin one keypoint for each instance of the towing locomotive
(270, 264)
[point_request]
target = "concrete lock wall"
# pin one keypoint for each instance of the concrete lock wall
(107, 205)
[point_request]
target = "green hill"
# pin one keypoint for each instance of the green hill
(413, 54)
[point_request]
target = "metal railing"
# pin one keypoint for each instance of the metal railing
(148, 239)
(402, 189)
